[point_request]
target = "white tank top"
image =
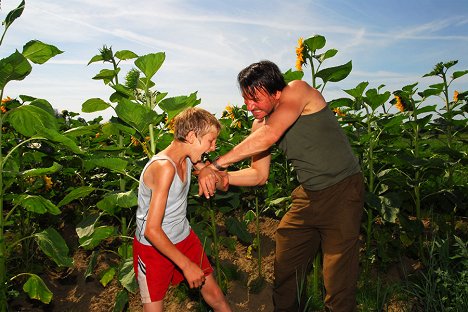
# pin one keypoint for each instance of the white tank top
(175, 223)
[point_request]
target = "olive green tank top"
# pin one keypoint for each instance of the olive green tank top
(319, 150)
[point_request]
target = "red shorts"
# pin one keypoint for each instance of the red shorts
(154, 271)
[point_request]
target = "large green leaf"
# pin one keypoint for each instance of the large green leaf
(121, 301)
(28, 120)
(375, 100)
(293, 75)
(112, 202)
(458, 74)
(54, 246)
(37, 289)
(235, 227)
(94, 105)
(358, 91)
(149, 64)
(76, 193)
(39, 52)
(13, 67)
(116, 164)
(107, 276)
(42, 171)
(127, 275)
(336, 73)
(136, 115)
(114, 128)
(43, 104)
(36, 204)
(86, 226)
(99, 234)
(174, 105)
(14, 14)
(315, 43)
(82, 130)
(125, 55)
(107, 75)
(56, 137)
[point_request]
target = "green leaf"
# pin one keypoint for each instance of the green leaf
(28, 120)
(458, 74)
(91, 264)
(136, 115)
(335, 74)
(111, 202)
(149, 64)
(86, 226)
(174, 105)
(96, 58)
(39, 52)
(292, 75)
(328, 54)
(94, 105)
(36, 204)
(315, 43)
(99, 234)
(76, 193)
(127, 275)
(121, 301)
(82, 130)
(13, 67)
(113, 128)
(14, 14)
(346, 102)
(56, 137)
(375, 100)
(54, 246)
(42, 171)
(358, 91)
(107, 276)
(37, 289)
(235, 227)
(43, 104)
(111, 163)
(249, 216)
(125, 55)
(107, 75)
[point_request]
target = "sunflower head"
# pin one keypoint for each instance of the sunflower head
(300, 54)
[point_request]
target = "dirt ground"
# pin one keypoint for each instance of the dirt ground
(72, 292)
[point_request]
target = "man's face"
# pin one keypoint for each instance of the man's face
(261, 105)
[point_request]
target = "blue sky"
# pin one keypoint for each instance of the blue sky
(208, 42)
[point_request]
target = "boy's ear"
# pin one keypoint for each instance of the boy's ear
(191, 136)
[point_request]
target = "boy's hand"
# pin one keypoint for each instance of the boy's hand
(207, 178)
(194, 275)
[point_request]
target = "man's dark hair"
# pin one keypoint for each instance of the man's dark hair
(264, 75)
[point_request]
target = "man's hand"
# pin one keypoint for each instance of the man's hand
(207, 179)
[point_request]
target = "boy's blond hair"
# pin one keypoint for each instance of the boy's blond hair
(194, 119)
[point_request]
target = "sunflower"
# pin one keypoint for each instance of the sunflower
(300, 54)
(455, 96)
(399, 104)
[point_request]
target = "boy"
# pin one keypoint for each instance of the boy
(165, 248)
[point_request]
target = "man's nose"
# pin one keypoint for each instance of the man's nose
(250, 105)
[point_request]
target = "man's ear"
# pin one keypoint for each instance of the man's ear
(191, 137)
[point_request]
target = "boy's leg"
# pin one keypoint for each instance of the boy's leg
(297, 242)
(340, 239)
(157, 306)
(214, 296)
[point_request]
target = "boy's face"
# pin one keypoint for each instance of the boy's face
(204, 144)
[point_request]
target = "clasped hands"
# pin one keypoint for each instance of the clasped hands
(210, 179)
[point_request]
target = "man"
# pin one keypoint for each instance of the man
(326, 208)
